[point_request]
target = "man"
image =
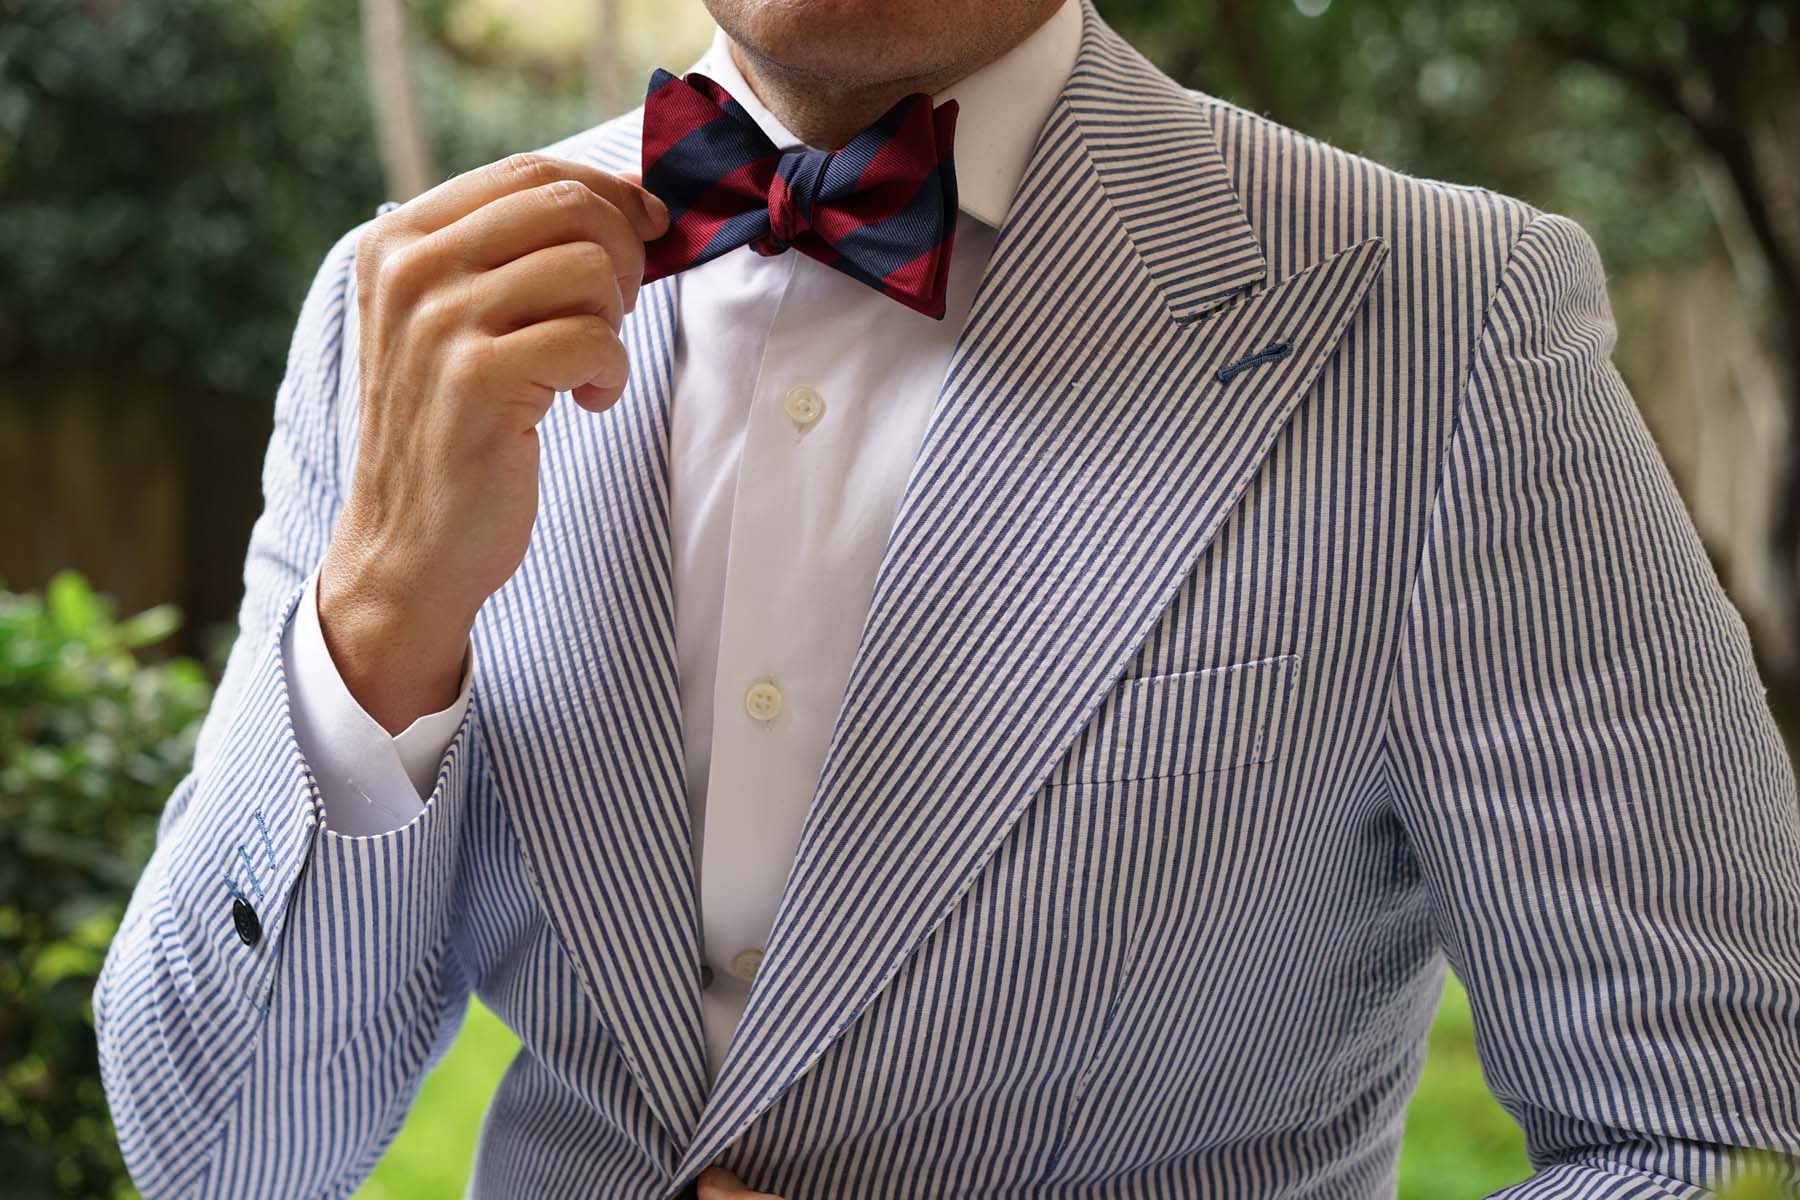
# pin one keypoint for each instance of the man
(1046, 748)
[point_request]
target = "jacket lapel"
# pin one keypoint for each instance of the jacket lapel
(582, 720)
(1090, 438)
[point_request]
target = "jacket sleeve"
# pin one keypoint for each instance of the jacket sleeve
(1582, 754)
(276, 990)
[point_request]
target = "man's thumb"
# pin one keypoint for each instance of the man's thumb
(654, 208)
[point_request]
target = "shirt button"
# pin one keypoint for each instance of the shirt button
(249, 929)
(763, 701)
(706, 976)
(745, 962)
(804, 405)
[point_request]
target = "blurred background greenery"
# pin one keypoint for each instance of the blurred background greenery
(171, 172)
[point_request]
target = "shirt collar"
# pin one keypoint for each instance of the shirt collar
(1001, 109)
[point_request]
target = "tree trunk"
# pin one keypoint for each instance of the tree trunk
(406, 153)
(605, 75)
(1783, 678)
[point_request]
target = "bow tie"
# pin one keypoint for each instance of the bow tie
(881, 210)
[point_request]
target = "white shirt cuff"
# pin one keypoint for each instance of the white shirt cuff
(370, 782)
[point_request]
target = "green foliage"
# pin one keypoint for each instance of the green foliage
(1546, 99)
(170, 170)
(91, 743)
(479, 113)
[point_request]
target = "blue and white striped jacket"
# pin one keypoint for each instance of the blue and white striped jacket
(1287, 599)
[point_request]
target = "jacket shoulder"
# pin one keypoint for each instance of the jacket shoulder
(1308, 199)
(612, 145)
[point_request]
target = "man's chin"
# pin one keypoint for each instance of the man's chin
(839, 40)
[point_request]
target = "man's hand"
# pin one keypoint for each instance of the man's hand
(479, 301)
(716, 1183)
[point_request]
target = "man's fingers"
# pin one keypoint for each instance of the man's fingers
(572, 277)
(529, 365)
(716, 1183)
(654, 208)
(460, 195)
(518, 224)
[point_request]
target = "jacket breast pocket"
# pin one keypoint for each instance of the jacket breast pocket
(1187, 723)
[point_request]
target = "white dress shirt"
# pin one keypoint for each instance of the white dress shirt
(800, 398)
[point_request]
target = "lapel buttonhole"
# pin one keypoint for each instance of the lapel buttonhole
(1273, 352)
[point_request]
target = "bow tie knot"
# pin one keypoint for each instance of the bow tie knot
(882, 209)
(793, 190)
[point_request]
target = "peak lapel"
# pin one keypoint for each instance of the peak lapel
(1082, 453)
(582, 721)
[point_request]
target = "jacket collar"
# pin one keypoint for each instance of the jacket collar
(1083, 452)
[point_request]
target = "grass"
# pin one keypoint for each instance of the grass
(1459, 1142)
(430, 1159)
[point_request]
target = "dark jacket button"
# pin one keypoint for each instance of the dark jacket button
(249, 929)
(706, 976)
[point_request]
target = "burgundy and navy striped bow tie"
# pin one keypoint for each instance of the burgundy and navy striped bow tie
(881, 210)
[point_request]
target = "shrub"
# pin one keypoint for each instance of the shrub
(92, 741)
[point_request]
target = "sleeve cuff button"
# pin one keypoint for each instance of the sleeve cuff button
(243, 917)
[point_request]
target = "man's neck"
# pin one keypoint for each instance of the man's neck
(825, 111)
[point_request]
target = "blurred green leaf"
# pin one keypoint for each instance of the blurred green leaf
(92, 742)
(74, 609)
(150, 626)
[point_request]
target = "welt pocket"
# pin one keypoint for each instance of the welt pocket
(1186, 723)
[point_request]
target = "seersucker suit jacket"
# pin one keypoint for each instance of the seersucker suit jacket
(1287, 601)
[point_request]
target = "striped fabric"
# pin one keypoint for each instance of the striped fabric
(882, 209)
(1287, 601)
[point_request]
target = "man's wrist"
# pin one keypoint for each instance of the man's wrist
(399, 662)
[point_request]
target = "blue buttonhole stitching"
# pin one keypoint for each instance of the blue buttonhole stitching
(268, 842)
(232, 887)
(250, 869)
(1274, 352)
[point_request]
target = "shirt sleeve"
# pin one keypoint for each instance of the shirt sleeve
(1583, 757)
(370, 782)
